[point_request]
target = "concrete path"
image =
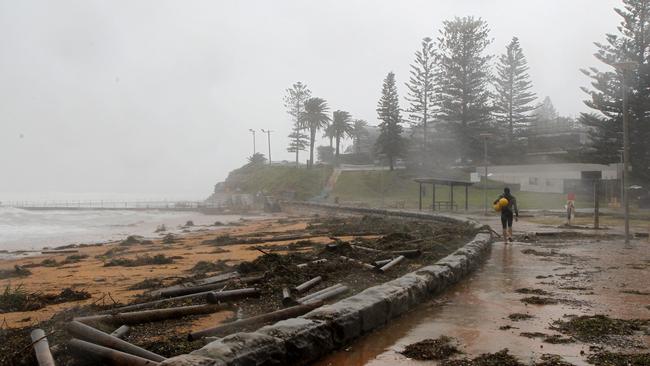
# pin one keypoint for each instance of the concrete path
(586, 276)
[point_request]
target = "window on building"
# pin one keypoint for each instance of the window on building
(533, 181)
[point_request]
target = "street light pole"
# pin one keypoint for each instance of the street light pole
(485, 137)
(625, 67)
(626, 159)
(268, 133)
(620, 153)
(253, 132)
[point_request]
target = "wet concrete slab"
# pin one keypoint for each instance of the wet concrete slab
(586, 276)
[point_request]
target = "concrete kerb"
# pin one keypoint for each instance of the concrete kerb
(304, 339)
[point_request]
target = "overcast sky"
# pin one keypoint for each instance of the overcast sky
(154, 99)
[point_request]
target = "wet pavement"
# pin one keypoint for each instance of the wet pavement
(587, 276)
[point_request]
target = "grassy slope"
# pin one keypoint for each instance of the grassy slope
(307, 183)
(386, 189)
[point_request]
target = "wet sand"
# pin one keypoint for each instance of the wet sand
(106, 284)
(474, 310)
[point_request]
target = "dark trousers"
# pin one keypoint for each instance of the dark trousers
(506, 218)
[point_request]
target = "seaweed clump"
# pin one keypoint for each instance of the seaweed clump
(431, 349)
(597, 327)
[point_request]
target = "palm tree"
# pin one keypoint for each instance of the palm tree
(329, 134)
(314, 117)
(359, 132)
(341, 128)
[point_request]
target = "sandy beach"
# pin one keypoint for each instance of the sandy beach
(108, 284)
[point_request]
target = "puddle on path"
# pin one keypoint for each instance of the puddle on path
(473, 310)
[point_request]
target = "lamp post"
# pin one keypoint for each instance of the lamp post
(485, 137)
(253, 132)
(625, 68)
(620, 153)
(268, 133)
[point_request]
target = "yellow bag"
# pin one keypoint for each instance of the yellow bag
(502, 203)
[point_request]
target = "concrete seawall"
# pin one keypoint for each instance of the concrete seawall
(304, 339)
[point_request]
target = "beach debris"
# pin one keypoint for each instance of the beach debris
(144, 260)
(204, 281)
(317, 293)
(366, 248)
(206, 287)
(519, 316)
(597, 328)
(308, 284)
(537, 300)
(169, 239)
(287, 300)
(411, 253)
(121, 332)
(41, 348)
(107, 355)
(216, 297)
(18, 271)
(607, 358)
(303, 265)
(361, 263)
(87, 333)
(431, 349)
(501, 358)
(382, 262)
(274, 316)
(147, 316)
(147, 283)
(219, 265)
(16, 298)
(391, 264)
(332, 293)
(532, 291)
(60, 251)
(144, 305)
(132, 240)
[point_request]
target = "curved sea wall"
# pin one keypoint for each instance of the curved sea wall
(304, 339)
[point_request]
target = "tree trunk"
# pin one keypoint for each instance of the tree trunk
(297, 149)
(312, 139)
(338, 140)
(424, 124)
(390, 162)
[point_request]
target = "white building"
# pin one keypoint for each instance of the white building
(551, 178)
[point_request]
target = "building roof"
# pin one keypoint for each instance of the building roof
(443, 181)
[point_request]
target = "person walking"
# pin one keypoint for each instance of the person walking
(507, 204)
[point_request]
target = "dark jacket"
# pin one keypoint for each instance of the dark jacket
(512, 204)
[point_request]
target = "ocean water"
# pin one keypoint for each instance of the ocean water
(34, 230)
